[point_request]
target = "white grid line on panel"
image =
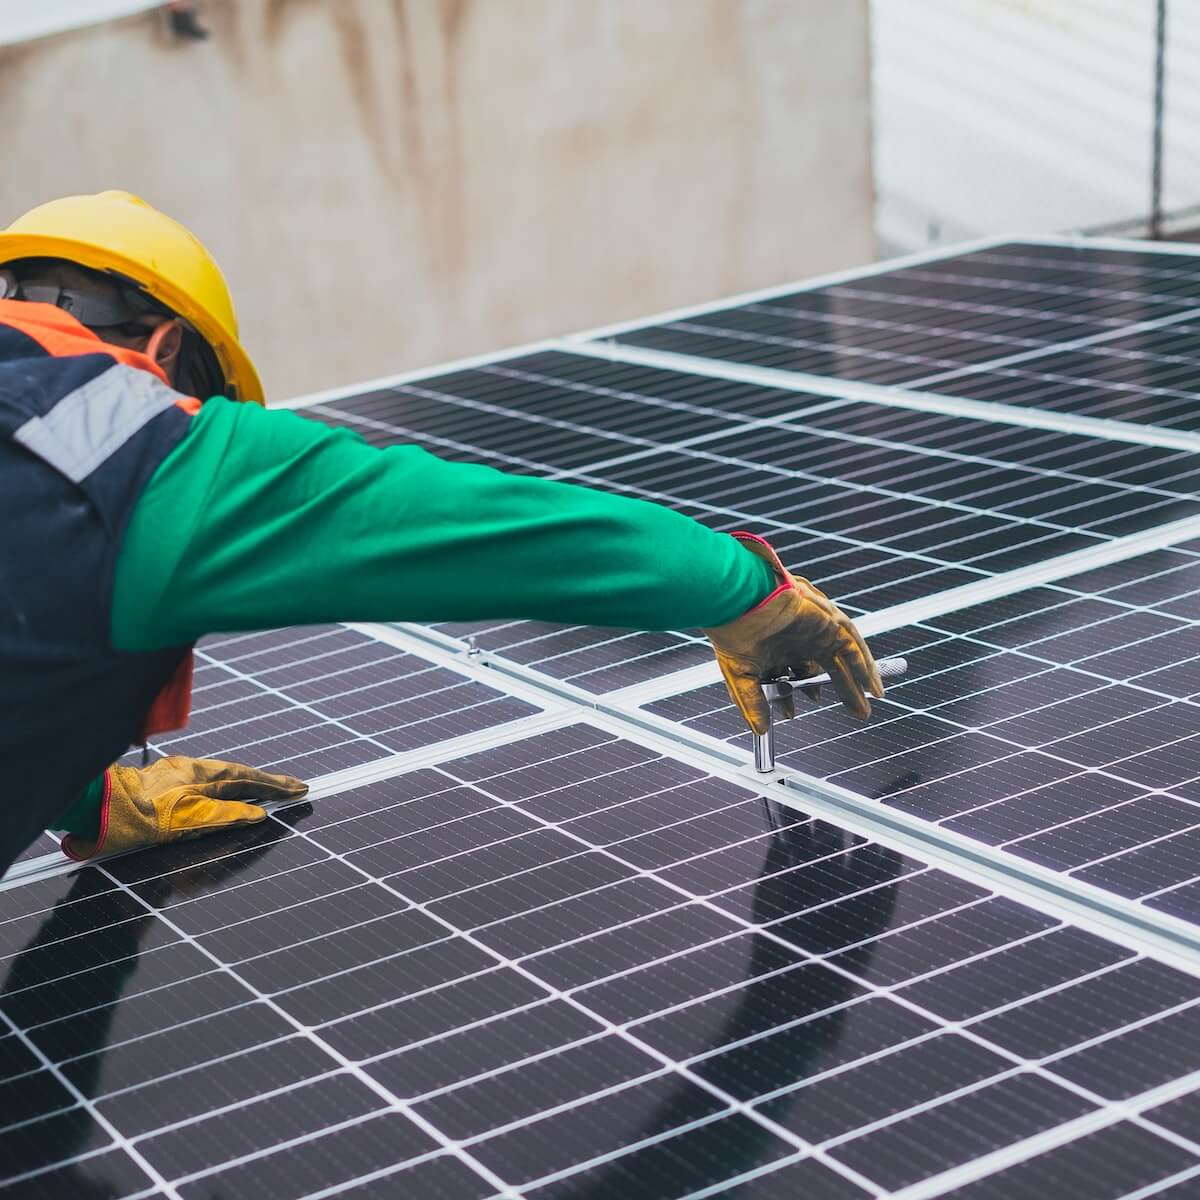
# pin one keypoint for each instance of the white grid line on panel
(723, 1188)
(1082, 343)
(372, 1176)
(1087, 242)
(1029, 1147)
(527, 375)
(1116, 387)
(913, 300)
(300, 1140)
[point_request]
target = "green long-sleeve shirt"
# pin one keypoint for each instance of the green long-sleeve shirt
(261, 518)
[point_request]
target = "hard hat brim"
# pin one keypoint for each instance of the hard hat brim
(234, 361)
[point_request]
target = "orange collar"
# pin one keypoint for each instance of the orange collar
(61, 335)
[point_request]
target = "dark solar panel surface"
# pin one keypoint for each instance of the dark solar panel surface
(1151, 377)
(578, 968)
(880, 505)
(311, 701)
(955, 314)
(1061, 724)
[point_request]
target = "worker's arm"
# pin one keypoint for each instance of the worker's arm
(261, 519)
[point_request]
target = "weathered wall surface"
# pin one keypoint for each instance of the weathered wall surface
(390, 183)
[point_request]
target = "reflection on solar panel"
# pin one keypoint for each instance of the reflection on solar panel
(540, 941)
(921, 326)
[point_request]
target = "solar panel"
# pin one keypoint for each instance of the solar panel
(945, 318)
(628, 978)
(519, 947)
(319, 700)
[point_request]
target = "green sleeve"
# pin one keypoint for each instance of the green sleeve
(261, 518)
(83, 817)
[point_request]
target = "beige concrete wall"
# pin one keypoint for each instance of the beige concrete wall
(390, 183)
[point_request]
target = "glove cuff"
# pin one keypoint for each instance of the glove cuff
(763, 549)
(80, 849)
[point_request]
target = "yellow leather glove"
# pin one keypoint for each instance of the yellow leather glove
(178, 798)
(796, 630)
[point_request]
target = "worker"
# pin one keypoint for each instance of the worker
(149, 498)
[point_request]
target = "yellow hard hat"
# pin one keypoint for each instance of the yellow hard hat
(116, 231)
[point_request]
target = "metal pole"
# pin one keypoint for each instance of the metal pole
(1156, 165)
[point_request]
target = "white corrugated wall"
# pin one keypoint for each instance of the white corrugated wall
(1027, 115)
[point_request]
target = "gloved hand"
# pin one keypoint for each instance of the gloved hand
(796, 630)
(178, 798)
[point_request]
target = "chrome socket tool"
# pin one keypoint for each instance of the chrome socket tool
(775, 689)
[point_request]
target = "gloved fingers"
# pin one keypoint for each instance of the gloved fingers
(747, 694)
(786, 703)
(848, 688)
(260, 786)
(853, 652)
(233, 781)
(189, 813)
(863, 663)
(806, 670)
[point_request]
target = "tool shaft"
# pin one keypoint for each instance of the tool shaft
(773, 689)
(889, 668)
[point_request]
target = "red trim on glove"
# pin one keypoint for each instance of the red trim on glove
(66, 844)
(785, 586)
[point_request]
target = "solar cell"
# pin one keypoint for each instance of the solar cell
(633, 979)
